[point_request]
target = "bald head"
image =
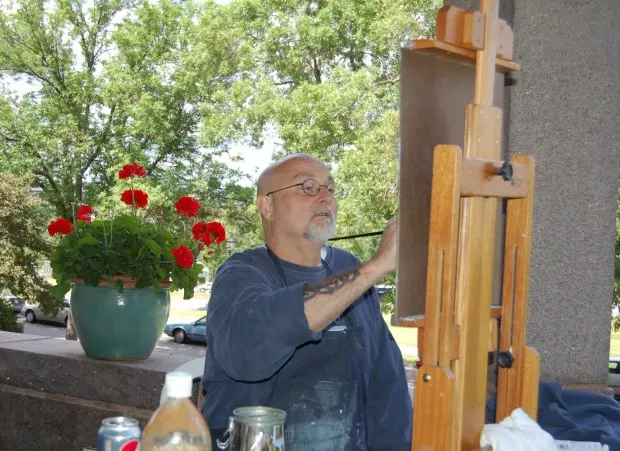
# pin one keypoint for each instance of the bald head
(292, 218)
(276, 173)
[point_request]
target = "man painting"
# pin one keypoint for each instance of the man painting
(296, 325)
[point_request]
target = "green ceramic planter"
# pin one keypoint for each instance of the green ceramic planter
(118, 326)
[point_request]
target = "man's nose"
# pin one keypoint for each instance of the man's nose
(324, 195)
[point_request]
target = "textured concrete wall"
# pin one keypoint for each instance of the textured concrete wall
(53, 397)
(565, 111)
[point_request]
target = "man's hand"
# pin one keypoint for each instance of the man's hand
(386, 256)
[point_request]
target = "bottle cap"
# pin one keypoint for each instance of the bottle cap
(178, 384)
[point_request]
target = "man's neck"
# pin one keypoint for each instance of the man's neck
(304, 253)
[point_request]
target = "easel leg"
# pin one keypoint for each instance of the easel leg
(520, 381)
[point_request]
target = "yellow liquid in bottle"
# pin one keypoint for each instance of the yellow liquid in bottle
(176, 426)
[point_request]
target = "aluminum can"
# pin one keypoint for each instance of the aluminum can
(118, 434)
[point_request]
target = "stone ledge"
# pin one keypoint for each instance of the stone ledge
(59, 366)
(52, 396)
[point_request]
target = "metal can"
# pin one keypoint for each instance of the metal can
(118, 434)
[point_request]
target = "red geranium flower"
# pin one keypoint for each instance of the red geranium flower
(85, 213)
(209, 232)
(131, 170)
(183, 256)
(135, 197)
(199, 231)
(217, 231)
(61, 225)
(187, 206)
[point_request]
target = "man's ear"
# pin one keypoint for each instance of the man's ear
(264, 205)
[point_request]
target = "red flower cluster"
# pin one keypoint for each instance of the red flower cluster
(85, 213)
(187, 206)
(130, 170)
(183, 256)
(135, 197)
(206, 233)
(209, 232)
(61, 225)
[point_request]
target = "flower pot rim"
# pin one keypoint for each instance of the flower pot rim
(128, 282)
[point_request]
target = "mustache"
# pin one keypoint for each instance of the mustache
(324, 209)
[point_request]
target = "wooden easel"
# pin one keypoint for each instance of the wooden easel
(459, 326)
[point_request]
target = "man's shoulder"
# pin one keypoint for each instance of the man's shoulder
(255, 257)
(248, 265)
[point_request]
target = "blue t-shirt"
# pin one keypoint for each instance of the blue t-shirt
(256, 321)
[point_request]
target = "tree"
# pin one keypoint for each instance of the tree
(113, 81)
(320, 73)
(109, 87)
(173, 85)
(322, 76)
(22, 219)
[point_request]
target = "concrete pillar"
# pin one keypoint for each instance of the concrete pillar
(565, 111)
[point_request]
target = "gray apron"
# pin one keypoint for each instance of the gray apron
(322, 388)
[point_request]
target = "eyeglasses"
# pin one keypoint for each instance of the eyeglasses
(312, 188)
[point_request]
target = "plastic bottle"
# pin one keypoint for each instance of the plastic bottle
(177, 424)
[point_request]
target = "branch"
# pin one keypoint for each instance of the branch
(316, 70)
(102, 138)
(43, 172)
(8, 138)
(389, 81)
(154, 164)
(43, 169)
(34, 75)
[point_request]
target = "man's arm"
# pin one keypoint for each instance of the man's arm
(254, 328)
(325, 300)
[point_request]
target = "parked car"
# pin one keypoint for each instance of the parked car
(382, 290)
(33, 312)
(191, 331)
(204, 288)
(15, 302)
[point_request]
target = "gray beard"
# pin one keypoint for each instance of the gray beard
(320, 233)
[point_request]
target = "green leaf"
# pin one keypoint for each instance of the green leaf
(88, 239)
(119, 285)
(161, 272)
(154, 247)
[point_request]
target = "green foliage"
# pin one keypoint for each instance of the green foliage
(8, 322)
(109, 83)
(22, 220)
(323, 78)
(123, 245)
(174, 85)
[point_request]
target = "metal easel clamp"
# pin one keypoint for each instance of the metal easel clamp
(506, 171)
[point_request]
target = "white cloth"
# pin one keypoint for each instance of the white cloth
(517, 432)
